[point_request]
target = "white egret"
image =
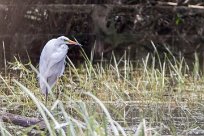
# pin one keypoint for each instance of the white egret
(52, 62)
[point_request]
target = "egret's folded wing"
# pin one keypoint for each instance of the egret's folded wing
(47, 51)
(57, 57)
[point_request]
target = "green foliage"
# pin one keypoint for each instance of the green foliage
(178, 19)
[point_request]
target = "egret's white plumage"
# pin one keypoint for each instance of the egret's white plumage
(52, 61)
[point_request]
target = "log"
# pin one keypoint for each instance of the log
(22, 120)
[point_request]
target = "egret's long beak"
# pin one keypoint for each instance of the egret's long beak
(73, 42)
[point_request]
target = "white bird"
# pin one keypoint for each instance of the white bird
(52, 62)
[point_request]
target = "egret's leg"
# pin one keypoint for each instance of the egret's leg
(46, 95)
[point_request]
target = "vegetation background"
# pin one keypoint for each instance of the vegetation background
(140, 71)
(118, 25)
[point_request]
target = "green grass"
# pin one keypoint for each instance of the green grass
(108, 99)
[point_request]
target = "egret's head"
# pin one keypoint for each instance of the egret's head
(67, 41)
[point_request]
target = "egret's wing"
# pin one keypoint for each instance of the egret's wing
(44, 60)
(63, 68)
(55, 71)
(48, 50)
(51, 80)
(56, 62)
(57, 57)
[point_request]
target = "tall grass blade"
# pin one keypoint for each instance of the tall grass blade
(36, 101)
(110, 120)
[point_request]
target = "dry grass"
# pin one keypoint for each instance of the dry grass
(166, 93)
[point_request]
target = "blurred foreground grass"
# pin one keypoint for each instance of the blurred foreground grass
(166, 96)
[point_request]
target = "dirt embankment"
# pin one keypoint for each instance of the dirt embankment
(109, 25)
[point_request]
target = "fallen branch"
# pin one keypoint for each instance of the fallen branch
(22, 120)
(175, 4)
